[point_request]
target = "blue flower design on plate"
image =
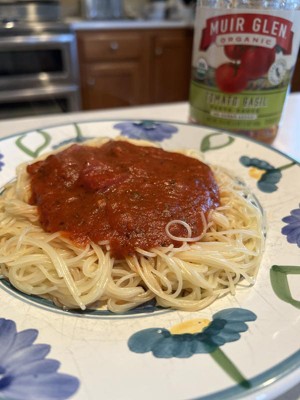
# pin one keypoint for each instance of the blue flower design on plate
(25, 373)
(292, 229)
(146, 130)
(225, 327)
(268, 176)
(1, 162)
(197, 336)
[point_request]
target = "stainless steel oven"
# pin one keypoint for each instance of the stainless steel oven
(37, 58)
(38, 101)
(38, 64)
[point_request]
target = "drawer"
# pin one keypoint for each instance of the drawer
(104, 46)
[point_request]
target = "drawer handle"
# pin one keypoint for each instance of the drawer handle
(91, 81)
(114, 46)
(159, 51)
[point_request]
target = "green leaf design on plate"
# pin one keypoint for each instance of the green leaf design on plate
(228, 366)
(286, 166)
(79, 135)
(34, 152)
(280, 284)
(208, 144)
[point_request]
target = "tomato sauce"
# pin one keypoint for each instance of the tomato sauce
(121, 193)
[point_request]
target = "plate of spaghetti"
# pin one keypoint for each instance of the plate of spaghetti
(161, 255)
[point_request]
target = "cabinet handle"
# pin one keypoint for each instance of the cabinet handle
(114, 45)
(158, 51)
(91, 81)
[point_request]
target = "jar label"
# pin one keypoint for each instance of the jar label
(242, 66)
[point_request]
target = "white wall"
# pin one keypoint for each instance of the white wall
(70, 8)
(133, 8)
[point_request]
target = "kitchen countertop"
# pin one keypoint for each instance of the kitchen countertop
(287, 140)
(81, 24)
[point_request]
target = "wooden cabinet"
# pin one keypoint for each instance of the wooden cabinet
(295, 86)
(110, 85)
(170, 66)
(111, 69)
(134, 67)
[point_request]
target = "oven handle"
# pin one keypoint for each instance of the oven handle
(37, 93)
(43, 39)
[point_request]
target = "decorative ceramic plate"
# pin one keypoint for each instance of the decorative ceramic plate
(254, 337)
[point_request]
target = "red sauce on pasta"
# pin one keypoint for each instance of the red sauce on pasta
(122, 193)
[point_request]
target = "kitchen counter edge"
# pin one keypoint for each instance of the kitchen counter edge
(78, 25)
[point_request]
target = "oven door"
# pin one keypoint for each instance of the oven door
(39, 101)
(37, 61)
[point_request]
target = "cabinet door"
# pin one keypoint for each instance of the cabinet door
(171, 65)
(295, 86)
(110, 46)
(110, 84)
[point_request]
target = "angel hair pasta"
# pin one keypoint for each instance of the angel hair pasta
(116, 223)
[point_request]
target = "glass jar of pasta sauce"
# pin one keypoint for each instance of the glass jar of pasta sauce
(243, 58)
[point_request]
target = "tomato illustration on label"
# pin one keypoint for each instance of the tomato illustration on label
(231, 78)
(256, 61)
(251, 62)
(235, 52)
